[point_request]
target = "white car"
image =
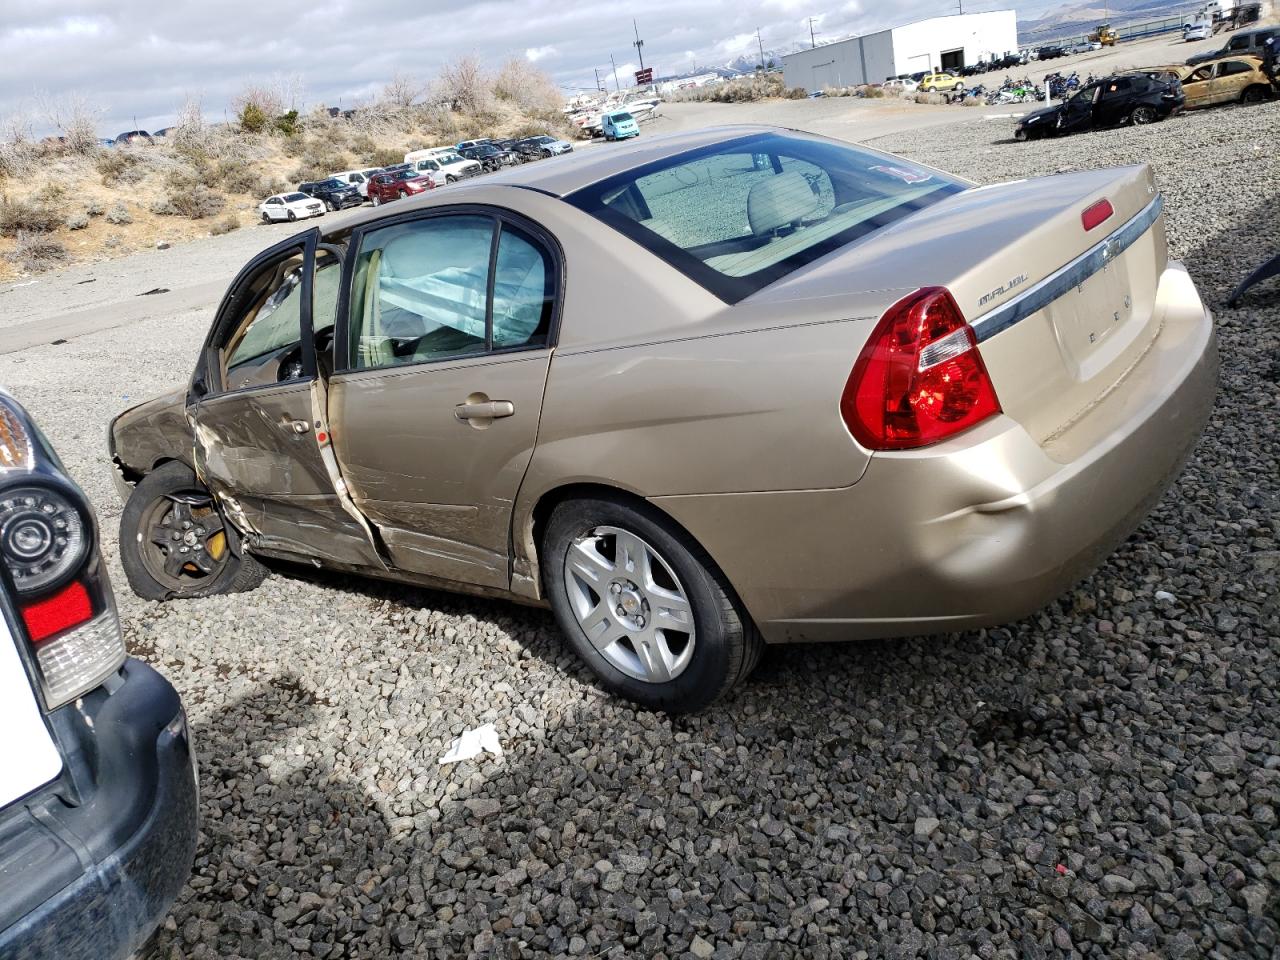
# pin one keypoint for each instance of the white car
(904, 85)
(357, 178)
(443, 165)
(1196, 31)
(290, 206)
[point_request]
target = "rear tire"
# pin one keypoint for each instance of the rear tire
(709, 646)
(1254, 94)
(1141, 116)
(151, 515)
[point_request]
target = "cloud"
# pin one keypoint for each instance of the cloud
(139, 59)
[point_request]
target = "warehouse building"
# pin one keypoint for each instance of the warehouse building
(940, 43)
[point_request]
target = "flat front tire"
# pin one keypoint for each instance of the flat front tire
(644, 606)
(174, 543)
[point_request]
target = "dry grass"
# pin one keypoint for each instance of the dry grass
(37, 252)
(203, 178)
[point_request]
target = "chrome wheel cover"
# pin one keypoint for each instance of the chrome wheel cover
(630, 604)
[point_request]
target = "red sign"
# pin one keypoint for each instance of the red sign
(644, 76)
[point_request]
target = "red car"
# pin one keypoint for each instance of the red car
(385, 187)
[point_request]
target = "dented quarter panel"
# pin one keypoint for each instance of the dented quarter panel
(153, 432)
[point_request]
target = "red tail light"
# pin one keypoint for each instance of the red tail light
(1097, 215)
(920, 378)
(67, 608)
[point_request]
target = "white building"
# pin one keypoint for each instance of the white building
(940, 43)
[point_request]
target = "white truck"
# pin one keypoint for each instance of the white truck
(442, 165)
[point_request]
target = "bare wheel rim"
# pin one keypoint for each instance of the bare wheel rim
(1144, 115)
(630, 604)
(183, 540)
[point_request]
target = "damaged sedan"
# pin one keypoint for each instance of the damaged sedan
(722, 389)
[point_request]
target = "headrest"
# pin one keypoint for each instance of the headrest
(780, 201)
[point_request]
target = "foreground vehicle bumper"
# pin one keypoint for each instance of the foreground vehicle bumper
(117, 861)
(979, 530)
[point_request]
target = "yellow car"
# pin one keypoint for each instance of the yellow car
(1230, 80)
(940, 83)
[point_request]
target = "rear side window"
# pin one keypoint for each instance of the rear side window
(1235, 66)
(441, 288)
(742, 214)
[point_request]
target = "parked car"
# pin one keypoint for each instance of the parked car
(467, 144)
(97, 774)
(1192, 32)
(1112, 101)
(488, 156)
(356, 178)
(446, 166)
(536, 148)
(134, 137)
(779, 383)
(902, 85)
(290, 206)
(1243, 42)
(1230, 80)
(1051, 52)
(1083, 47)
(941, 83)
(385, 187)
(618, 125)
(106, 143)
(334, 194)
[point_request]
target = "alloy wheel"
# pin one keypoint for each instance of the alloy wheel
(630, 604)
(1144, 115)
(184, 541)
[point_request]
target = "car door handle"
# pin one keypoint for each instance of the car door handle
(484, 410)
(297, 426)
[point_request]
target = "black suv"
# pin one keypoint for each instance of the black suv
(488, 156)
(335, 194)
(98, 787)
(1110, 102)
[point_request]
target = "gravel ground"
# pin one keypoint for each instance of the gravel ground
(1100, 780)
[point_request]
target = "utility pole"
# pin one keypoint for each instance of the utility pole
(615, 75)
(761, 45)
(813, 41)
(597, 70)
(639, 44)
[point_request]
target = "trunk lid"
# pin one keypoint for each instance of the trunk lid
(1061, 313)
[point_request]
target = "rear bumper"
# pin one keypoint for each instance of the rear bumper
(980, 530)
(122, 856)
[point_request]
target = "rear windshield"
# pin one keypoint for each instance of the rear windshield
(740, 215)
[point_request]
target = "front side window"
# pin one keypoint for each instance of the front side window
(265, 346)
(739, 215)
(421, 291)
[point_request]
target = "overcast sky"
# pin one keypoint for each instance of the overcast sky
(140, 58)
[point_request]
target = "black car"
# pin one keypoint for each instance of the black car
(98, 795)
(1110, 102)
(134, 136)
(488, 155)
(336, 194)
(1052, 52)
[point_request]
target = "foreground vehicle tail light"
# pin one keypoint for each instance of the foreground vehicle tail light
(47, 549)
(920, 379)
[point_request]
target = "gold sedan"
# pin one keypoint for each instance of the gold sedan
(715, 390)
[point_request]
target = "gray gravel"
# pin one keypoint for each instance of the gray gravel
(1100, 780)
